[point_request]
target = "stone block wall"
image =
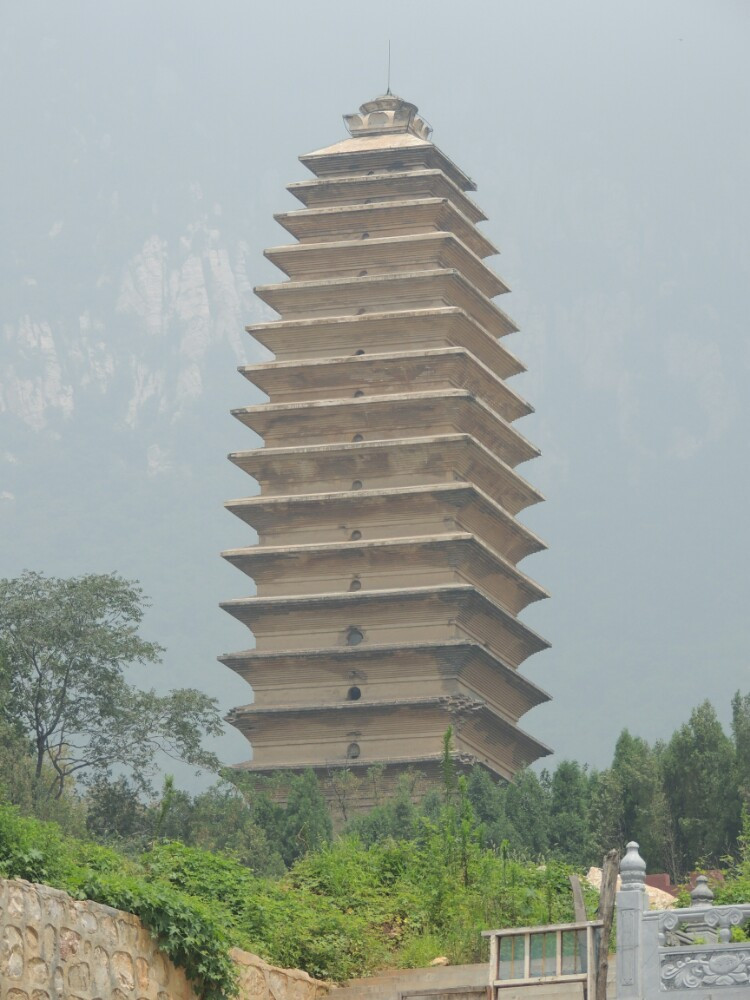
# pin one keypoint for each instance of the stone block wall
(53, 947)
(260, 981)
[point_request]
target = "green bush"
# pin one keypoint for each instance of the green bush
(189, 932)
(343, 910)
(287, 925)
(434, 893)
(185, 929)
(32, 850)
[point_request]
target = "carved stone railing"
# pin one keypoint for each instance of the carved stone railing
(687, 950)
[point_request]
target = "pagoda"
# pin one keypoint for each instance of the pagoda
(386, 569)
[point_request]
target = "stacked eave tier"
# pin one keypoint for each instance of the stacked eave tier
(325, 735)
(388, 540)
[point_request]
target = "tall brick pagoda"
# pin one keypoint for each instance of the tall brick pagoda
(388, 591)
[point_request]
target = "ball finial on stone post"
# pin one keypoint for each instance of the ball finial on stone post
(633, 869)
(701, 894)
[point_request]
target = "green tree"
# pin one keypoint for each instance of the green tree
(569, 814)
(741, 734)
(404, 811)
(645, 812)
(65, 645)
(448, 766)
(700, 784)
(735, 887)
(527, 808)
(346, 787)
(115, 812)
(606, 812)
(487, 799)
(395, 819)
(223, 819)
(307, 822)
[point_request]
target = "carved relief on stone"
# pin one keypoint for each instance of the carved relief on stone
(716, 921)
(716, 968)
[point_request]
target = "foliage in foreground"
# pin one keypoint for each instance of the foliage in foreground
(233, 866)
(186, 929)
(343, 910)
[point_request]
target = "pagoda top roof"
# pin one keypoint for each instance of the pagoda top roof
(385, 124)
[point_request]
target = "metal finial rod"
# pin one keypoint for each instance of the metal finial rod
(389, 67)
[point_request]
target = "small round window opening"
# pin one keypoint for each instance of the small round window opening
(356, 535)
(353, 694)
(365, 236)
(352, 751)
(355, 584)
(358, 393)
(362, 274)
(357, 484)
(359, 352)
(353, 637)
(357, 437)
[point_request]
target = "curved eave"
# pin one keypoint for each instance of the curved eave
(344, 294)
(430, 762)
(358, 189)
(247, 718)
(248, 609)
(379, 368)
(311, 261)
(251, 711)
(453, 547)
(513, 486)
(495, 355)
(371, 412)
(253, 510)
(383, 216)
(246, 661)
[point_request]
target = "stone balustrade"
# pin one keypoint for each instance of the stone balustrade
(686, 951)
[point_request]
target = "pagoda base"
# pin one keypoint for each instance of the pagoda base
(352, 789)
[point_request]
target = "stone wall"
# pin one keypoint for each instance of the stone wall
(53, 947)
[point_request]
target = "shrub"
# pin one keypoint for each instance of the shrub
(184, 927)
(343, 910)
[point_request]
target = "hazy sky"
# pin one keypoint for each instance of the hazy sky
(146, 148)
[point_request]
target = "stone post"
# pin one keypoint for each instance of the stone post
(631, 904)
(701, 894)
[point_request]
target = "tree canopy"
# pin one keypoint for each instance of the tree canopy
(65, 645)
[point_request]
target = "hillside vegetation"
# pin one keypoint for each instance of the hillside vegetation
(420, 875)
(343, 910)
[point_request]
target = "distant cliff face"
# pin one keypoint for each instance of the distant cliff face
(120, 334)
(142, 333)
(121, 343)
